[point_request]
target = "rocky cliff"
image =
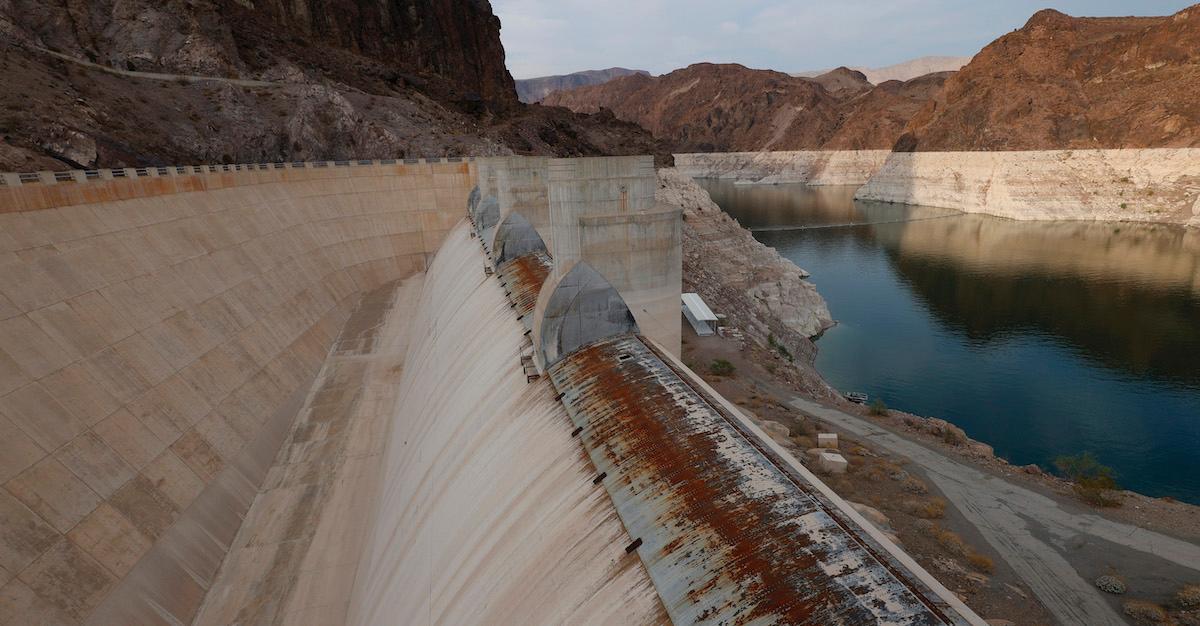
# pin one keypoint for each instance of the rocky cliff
(133, 82)
(1072, 82)
(1147, 185)
(717, 108)
(535, 89)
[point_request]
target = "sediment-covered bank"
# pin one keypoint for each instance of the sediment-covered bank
(762, 293)
(810, 167)
(1136, 185)
(1151, 185)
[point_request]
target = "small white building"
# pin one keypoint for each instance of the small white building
(699, 315)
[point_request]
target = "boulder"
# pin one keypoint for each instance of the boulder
(872, 514)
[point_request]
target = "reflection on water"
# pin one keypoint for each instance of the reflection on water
(1041, 338)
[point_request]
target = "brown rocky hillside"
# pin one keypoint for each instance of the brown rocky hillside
(109, 83)
(1072, 82)
(708, 107)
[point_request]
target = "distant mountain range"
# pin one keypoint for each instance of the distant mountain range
(710, 107)
(907, 70)
(534, 89)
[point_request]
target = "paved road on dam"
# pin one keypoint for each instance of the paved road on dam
(1028, 529)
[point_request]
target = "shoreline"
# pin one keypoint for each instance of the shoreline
(771, 378)
(1150, 185)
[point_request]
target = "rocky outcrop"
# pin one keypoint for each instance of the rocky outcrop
(810, 167)
(727, 107)
(535, 89)
(132, 83)
(1132, 185)
(455, 44)
(762, 293)
(1070, 82)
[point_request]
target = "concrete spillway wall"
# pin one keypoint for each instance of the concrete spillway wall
(489, 514)
(158, 331)
(603, 211)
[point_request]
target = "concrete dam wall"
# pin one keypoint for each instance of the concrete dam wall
(1144, 185)
(159, 332)
(371, 392)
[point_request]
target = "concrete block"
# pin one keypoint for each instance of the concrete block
(18, 450)
(20, 605)
(110, 539)
(68, 578)
(95, 463)
(827, 440)
(173, 479)
(136, 444)
(36, 412)
(68, 328)
(34, 351)
(77, 390)
(11, 376)
(54, 493)
(199, 455)
(147, 508)
(23, 534)
(832, 463)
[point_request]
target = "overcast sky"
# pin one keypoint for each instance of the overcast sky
(543, 37)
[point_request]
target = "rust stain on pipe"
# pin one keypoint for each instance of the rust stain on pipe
(728, 537)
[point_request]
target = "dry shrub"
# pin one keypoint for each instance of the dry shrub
(950, 541)
(1189, 596)
(1144, 612)
(914, 485)
(981, 562)
(934, 508)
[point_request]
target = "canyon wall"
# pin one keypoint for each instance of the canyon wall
(810, 167)
(159, 330)
(1151, 185)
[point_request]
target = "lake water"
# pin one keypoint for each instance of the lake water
(1039, 338)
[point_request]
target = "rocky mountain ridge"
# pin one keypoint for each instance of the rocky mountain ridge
(1067, 82)
(727, 107)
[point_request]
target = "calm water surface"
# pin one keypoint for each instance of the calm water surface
(1040, 338)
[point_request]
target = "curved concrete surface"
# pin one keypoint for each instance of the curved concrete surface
(578, 308)
(489, 514)
(157, 336)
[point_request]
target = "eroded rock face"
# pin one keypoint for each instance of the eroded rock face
(118, 83)
(456, 42)
(727, 107)
(761, 292)
(1071, 82)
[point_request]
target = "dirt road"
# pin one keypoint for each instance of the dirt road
(1039, 538)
